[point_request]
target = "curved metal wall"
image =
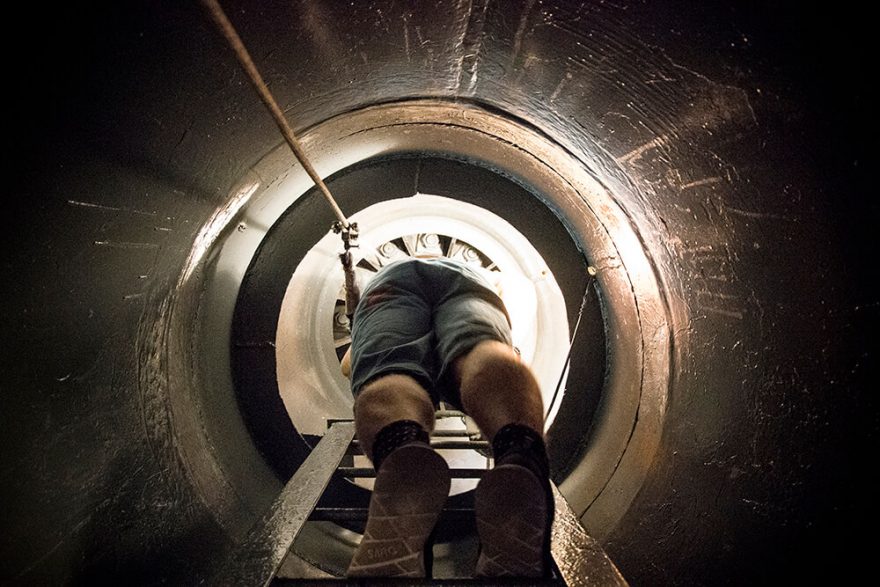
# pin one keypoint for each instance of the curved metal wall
(730, 136)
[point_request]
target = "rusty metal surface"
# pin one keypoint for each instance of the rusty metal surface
(259, 556)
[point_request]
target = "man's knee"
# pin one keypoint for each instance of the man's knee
(491, 359)
(497, 389)
(394, 397)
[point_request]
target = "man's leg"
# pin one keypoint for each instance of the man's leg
(387, 400)
(392, 362)
(393, 416)
(514, 503)
(498, 389)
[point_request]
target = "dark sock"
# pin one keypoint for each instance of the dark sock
(395, 435)
(521, 445)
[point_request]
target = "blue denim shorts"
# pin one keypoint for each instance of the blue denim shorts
(416, 317)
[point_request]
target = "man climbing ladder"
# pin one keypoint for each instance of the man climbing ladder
(431, 330)
(427, 331)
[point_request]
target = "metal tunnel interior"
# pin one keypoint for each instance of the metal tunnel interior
(169, 351)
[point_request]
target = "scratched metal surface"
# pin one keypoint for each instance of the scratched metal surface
(732, 135)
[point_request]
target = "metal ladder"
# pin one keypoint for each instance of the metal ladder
(579, 559)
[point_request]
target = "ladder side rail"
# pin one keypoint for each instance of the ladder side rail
(580, 559)
(258, 557)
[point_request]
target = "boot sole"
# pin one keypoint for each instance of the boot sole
(511, 512)
(410, 491)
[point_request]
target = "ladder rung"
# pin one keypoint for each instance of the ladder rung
(324, 514)
(462, 444)
(449, 414)
(439, 444)
(413, 582)
(361, 472)
(440, 414)
(436, 433)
